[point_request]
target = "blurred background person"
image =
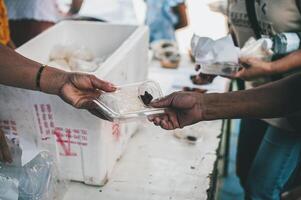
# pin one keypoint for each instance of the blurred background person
(164, 17)
(263, 145)
(263, 165)
(29, 18)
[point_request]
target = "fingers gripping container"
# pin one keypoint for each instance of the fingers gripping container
(86, 147)
(128, 103)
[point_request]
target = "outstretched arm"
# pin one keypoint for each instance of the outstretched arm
(276, 99)
(74, 88)
(258, 68)
(271, 100)
(77, 89)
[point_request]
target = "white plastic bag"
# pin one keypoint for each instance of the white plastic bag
(10, 174)
(37, 180)
(221, 57)
(257, 48)
(216, 57)
(9, 188)
(74, 58)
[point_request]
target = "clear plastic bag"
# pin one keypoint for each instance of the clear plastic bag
(221, 57)
(257, 48)
(216, 57)
(74, 58)
(37, 180)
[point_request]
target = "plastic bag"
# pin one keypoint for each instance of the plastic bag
(37, 180)
(9, 188)
(216, 57)
(74, 58)
(221, 57)
(257, 48)
(10, 174)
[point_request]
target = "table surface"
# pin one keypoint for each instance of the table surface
(157, 165)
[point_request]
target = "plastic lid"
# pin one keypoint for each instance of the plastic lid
(130, 101)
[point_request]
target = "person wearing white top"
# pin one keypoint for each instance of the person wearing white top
(31, 17)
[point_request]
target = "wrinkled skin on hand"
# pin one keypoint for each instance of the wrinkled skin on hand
(181, 109)
(253, 68)
(201, 79)
(79, 90)
(199, 90)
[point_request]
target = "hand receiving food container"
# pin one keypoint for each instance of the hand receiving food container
(130, 101)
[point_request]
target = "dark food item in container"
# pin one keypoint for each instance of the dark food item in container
(192, 138)
(202, 79)
(198, 90)
(146, 98)
(228, 70)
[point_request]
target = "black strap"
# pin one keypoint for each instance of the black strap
(38, 77)
(298, 3)
(250, 6)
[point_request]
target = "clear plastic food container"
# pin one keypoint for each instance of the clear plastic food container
(130, 101)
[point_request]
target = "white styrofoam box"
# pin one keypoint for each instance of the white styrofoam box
(86, 147)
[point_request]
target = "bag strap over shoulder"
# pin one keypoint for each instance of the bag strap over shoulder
(298, 3)
(250, 6)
